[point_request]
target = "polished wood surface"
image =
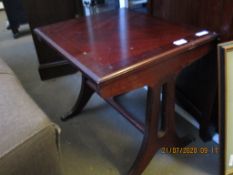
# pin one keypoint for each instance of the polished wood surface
(105, 47)
(197, 92)
(120, 51)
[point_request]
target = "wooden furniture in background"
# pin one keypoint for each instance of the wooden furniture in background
(43, 12)
(125, 51)
(15, 14)
(197, 84)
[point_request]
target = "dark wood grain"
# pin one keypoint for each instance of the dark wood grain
(197, 92)
(104, 47)
(215, 15)
(226, 29)
(198, 13)
(126, 51)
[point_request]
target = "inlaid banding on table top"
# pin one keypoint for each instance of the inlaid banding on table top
(108, 44)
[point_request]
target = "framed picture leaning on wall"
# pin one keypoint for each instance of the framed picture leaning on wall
(225, 63)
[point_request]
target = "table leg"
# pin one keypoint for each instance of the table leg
(155, 135)
(84, 96)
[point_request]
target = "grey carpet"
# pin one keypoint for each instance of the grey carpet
(99, 141)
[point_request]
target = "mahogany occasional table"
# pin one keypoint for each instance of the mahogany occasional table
(121, 51)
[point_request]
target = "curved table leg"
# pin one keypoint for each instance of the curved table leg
(148, 147)
(84, 96)
(170, 138)
(158, 135)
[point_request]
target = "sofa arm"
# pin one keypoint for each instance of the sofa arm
(28, 139)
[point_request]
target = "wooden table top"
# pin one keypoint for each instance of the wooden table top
(110, 44)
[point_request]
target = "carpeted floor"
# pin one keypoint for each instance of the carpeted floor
(99, 141)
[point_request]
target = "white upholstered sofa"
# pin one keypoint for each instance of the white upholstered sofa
(28, 139)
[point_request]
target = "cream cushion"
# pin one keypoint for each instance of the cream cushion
(28, 139)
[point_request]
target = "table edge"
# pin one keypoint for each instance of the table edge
(100, 80)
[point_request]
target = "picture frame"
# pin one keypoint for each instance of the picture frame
(225, 67)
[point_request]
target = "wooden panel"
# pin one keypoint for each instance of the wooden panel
(197, 84)
(215, 15)
(43, 12)
(196, 13)
(227, 21)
